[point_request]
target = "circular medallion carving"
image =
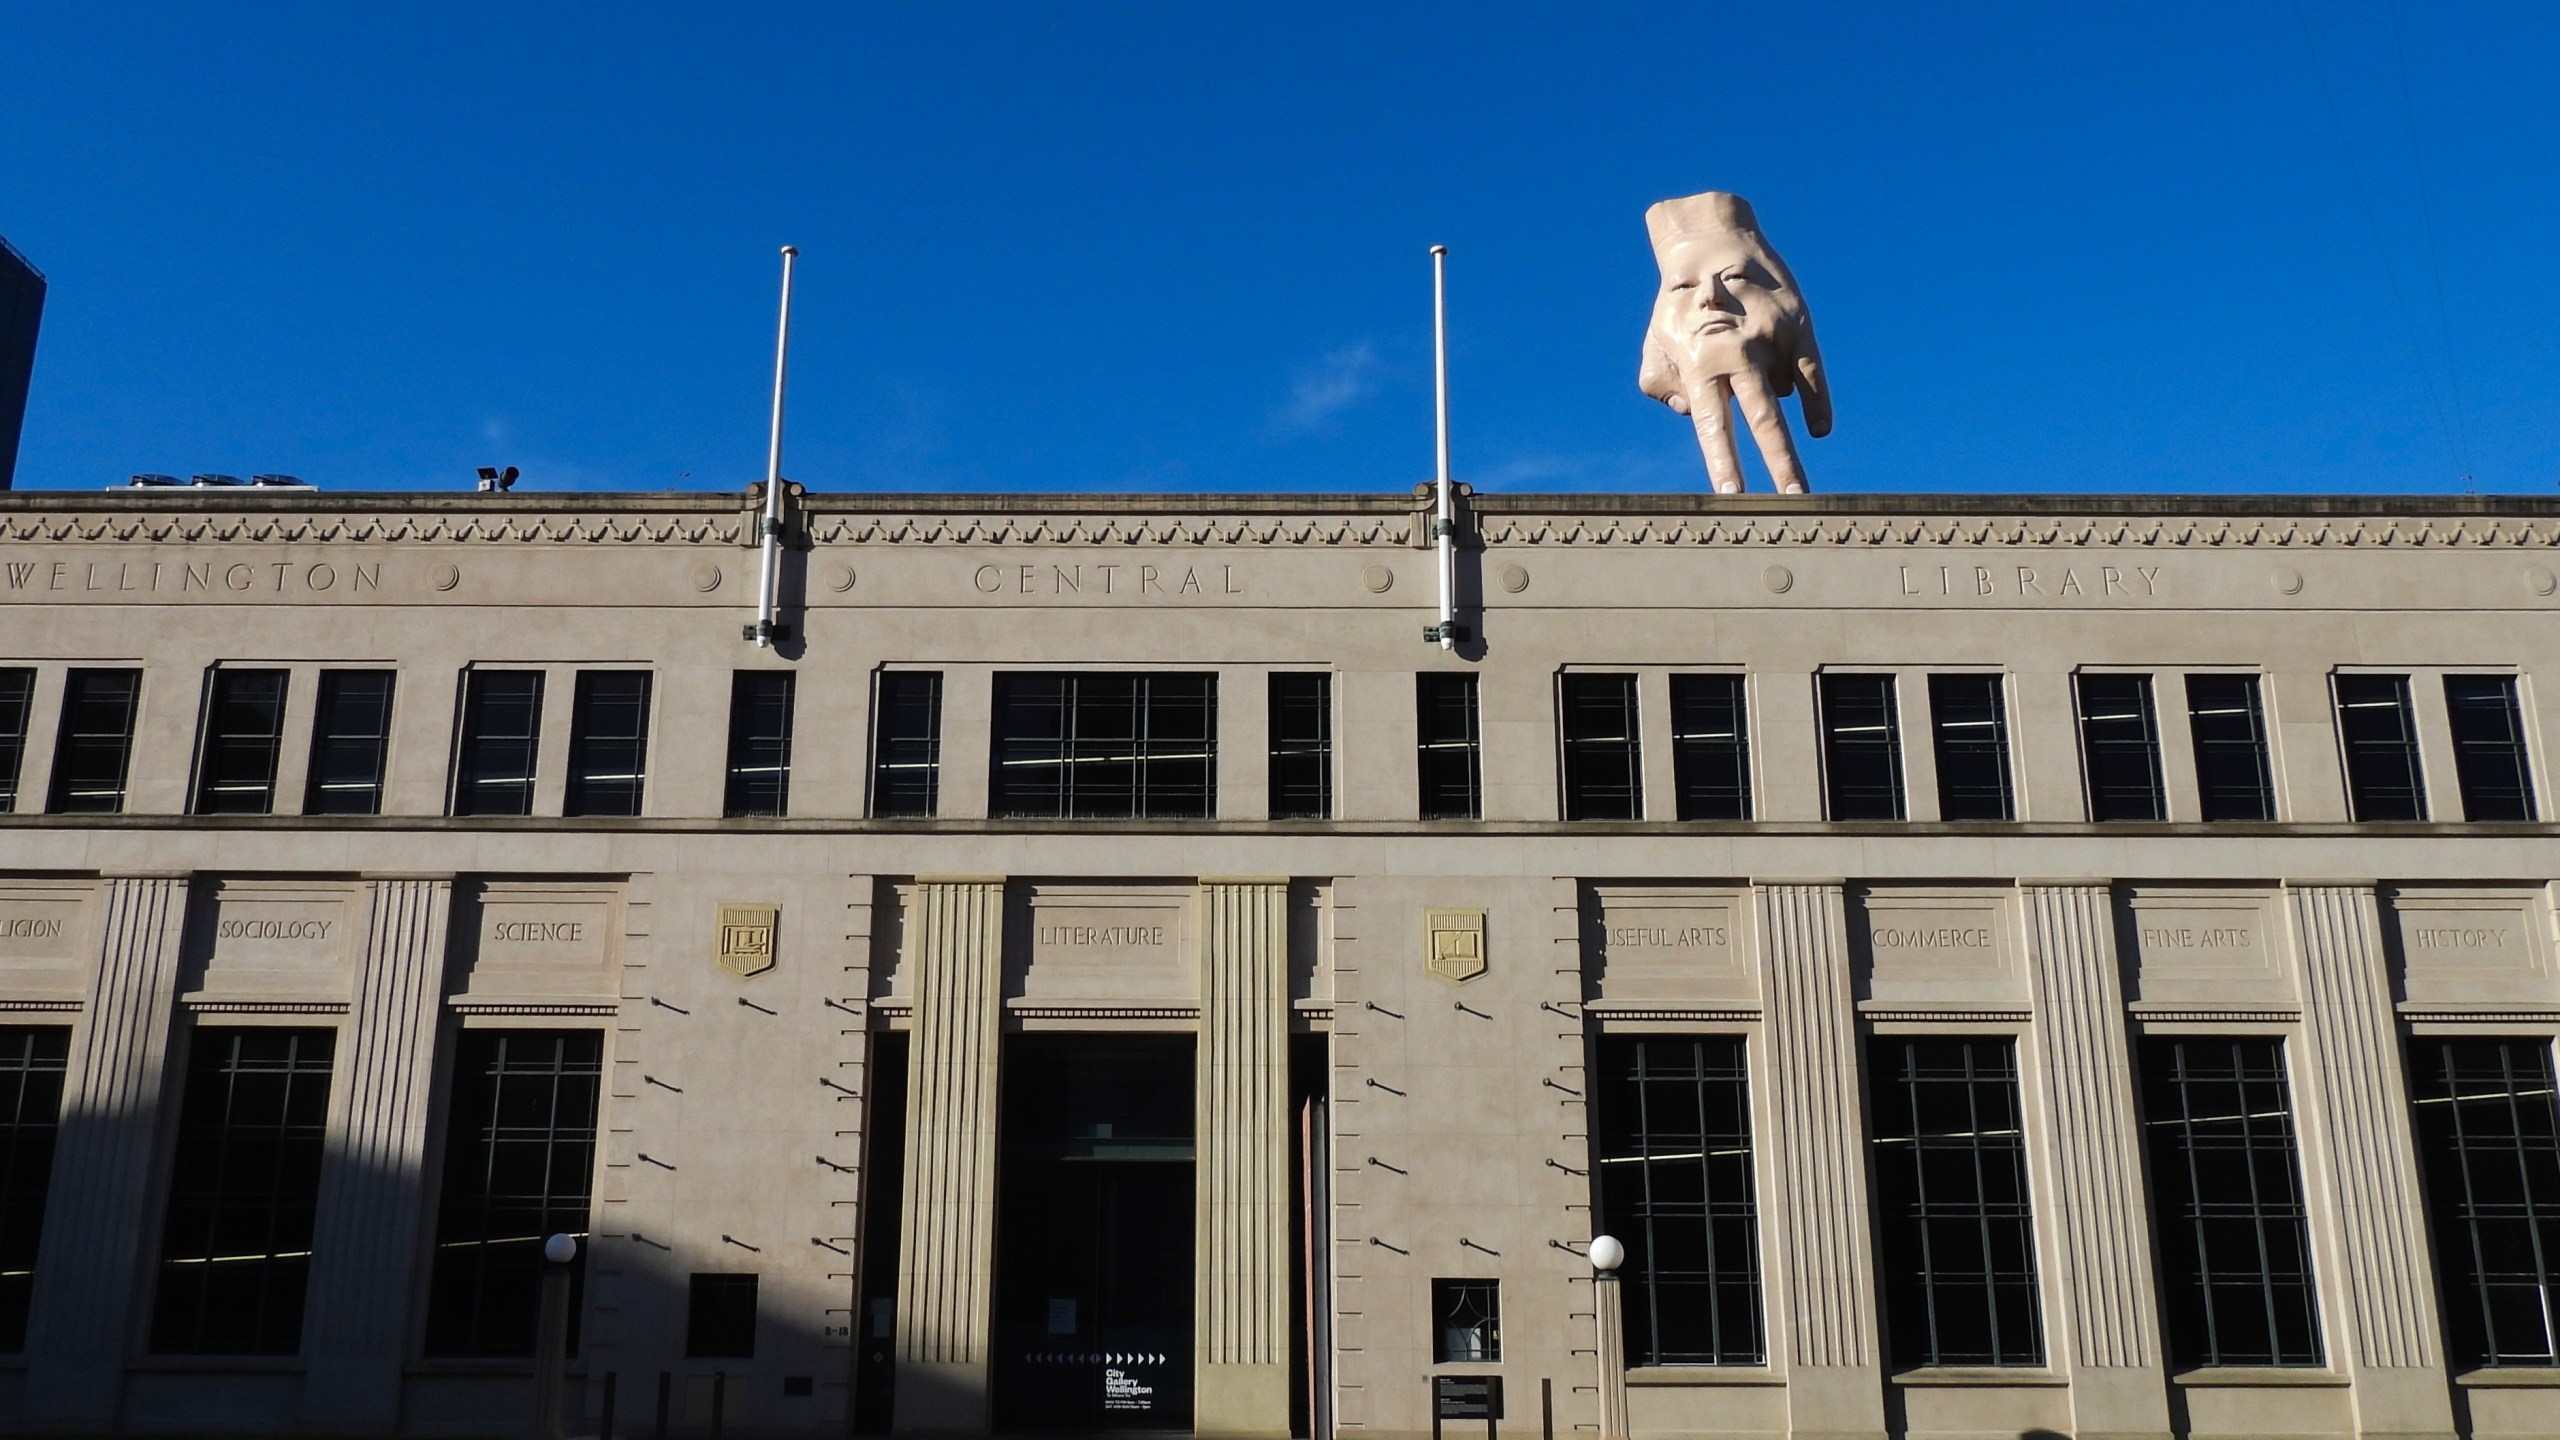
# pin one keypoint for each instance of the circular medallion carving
(2539, 580)
(1378, 578)
(1514, 579)
(843, 580)
(448, 576)
(1779, 579)
(2287, 580)
(706, 578)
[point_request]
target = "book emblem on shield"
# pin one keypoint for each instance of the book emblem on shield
(746, 938)
(1454, 941)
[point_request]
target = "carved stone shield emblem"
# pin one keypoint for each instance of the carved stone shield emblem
(1454, 943)
(745, 944)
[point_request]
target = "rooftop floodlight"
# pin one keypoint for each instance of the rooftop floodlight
(153, 480)
(217, 480)
(493, 478)
(279, 480)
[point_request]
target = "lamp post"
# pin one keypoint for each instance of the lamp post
(1606, 1256)
(551, 1336)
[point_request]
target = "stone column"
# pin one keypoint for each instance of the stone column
(100, 1231)
(2097, 1221)
(1818, 1171)
(946, 1274)
(2351, 1086)
(373, 1194)
(1242, 1129)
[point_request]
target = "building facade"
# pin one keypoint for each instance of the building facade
(2001, 965)
(21, 311)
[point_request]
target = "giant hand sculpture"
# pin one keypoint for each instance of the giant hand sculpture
(1730, 325)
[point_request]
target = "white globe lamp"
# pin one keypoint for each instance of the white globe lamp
(1606, 1253)
(561, 1249)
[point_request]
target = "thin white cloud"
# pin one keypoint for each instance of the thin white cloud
(1321, 392)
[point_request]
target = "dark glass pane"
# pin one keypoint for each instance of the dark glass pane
(31, 1071)
(2380, 734)
(96, 741)
(519, 1162)
(1710, 747)
(244, 1189)
(1301, 746)
(2233, 781)
(1861, 748)
(907, 768)
(720, 1318)
(1466, 1321)
(350, 743)
(2226, 1196)
(2488, 747)
(1675, 1186)
(2489, 1144)
(1603, 759)
(608, 743)
(1105, 747)
(760, 703)
(243, 733)
(17, 704)
(1970, 728)
(501, 740)
(1951, 1195)
(2120, 748)
(1451, 757)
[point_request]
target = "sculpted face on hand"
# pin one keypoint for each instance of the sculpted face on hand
(1728, 326)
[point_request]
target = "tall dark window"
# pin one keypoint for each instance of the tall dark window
(720, 1317)
(1106, 747)
(1603, 759)
(2120, 748)
(2379, 730)
(501, 741)
(243, 734)
(1675, 1187)
(1301, 745)
(2226, 1191)
(759, 743)
(2233, 781)
(1951, 1192)
(906, 774)
(519, 1167)
(350, 743)
(243, 1191)
(1710, 747)
(1970, 730)
(1451, 756)
(96, 741)
(31, 1066)
(17, 705)
(2488, 747)
(2489, 1139)
(1861, 748)
(608, 743)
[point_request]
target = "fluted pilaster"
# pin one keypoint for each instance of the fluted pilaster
(1815, 1154)
(372, 1194)
(2383, 1273)
(1243, 1174)
(947, 1251)
(2098, 1217)
(98, 1233)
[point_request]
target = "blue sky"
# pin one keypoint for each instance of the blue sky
(2231, 247)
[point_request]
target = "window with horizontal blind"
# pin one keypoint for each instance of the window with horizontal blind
(350, 743)
(1105, 747)
(759, 779)
(906, 764)
(2120, 748)
(1603, 756)
(1301, 745)
(1710, 747)
(1450, 755)
(1861, 748)
(2488, 747)
(1969, 731)
(500, 743)
(2233, 778)
(243, 736)
(95, 744)
(608, 743)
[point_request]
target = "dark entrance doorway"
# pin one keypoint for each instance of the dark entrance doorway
(1094, 1234)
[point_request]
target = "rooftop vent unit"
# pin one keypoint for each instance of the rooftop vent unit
(292, 481)
(216, 480)
(139, 481)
